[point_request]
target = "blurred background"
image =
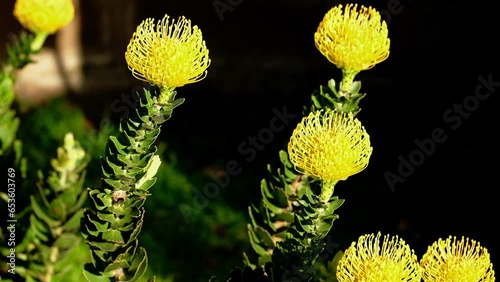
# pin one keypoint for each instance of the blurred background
(263, 61)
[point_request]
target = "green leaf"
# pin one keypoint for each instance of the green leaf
(334, 204)
(264, 188)
(41, 214)
(286, 216)
(150, 171)
(73, 223)
(285, 159)
(38, 229)
(114, 236)
(58, 209)
(264, 237)
(302, 223)
(79, 203)
(250, 213)
(326, 224)
(116, 184)
(265, 258)
(95, 278)
(106, 199)
(355, 87)
(290, 174)
(124, 209)
(104, 246)
(66, 241)
(99, 226)
(255, 242)
(137, 229)
(138, 267)
(115, 168)
(117, 264)
(100, 201)
(272, 207)
(115, 147)
(281, 197)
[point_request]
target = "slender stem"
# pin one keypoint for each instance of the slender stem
(167, 95)
(39, 40)
(327, 188)
(347, 79)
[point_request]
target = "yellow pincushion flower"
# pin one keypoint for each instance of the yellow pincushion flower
(353, 39)
(329, 145)
(451, 260)
(373, 260)
(169, 54)
(44, 16)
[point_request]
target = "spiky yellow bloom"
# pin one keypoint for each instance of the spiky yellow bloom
(451, 260)
(46, 16)
(329, 145)
(169, 54)
(353, 39)
(373, 260)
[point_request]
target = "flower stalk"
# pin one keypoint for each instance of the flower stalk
(115, 217)
(327, 189)
(273, 216)
(168, 55)
(354, 39)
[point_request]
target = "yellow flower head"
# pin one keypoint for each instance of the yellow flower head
(457, 261)
(169, 54)
(351, 39)
(46, 16)
(329, 145)
(371, 260)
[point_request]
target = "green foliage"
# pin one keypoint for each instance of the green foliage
(297, 255)
(19, 55)
(331, 97)
(19, 50)
(9, 122)
(52, 239)
(116, 214)
(216, 235)
(288, 225)
(273, 215)
(326, 269)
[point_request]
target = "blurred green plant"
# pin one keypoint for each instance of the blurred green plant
(19, 55)
(51, 121)
(20, 49)
(272, 217)
(53, 238)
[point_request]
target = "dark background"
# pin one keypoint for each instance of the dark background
(263, 57)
